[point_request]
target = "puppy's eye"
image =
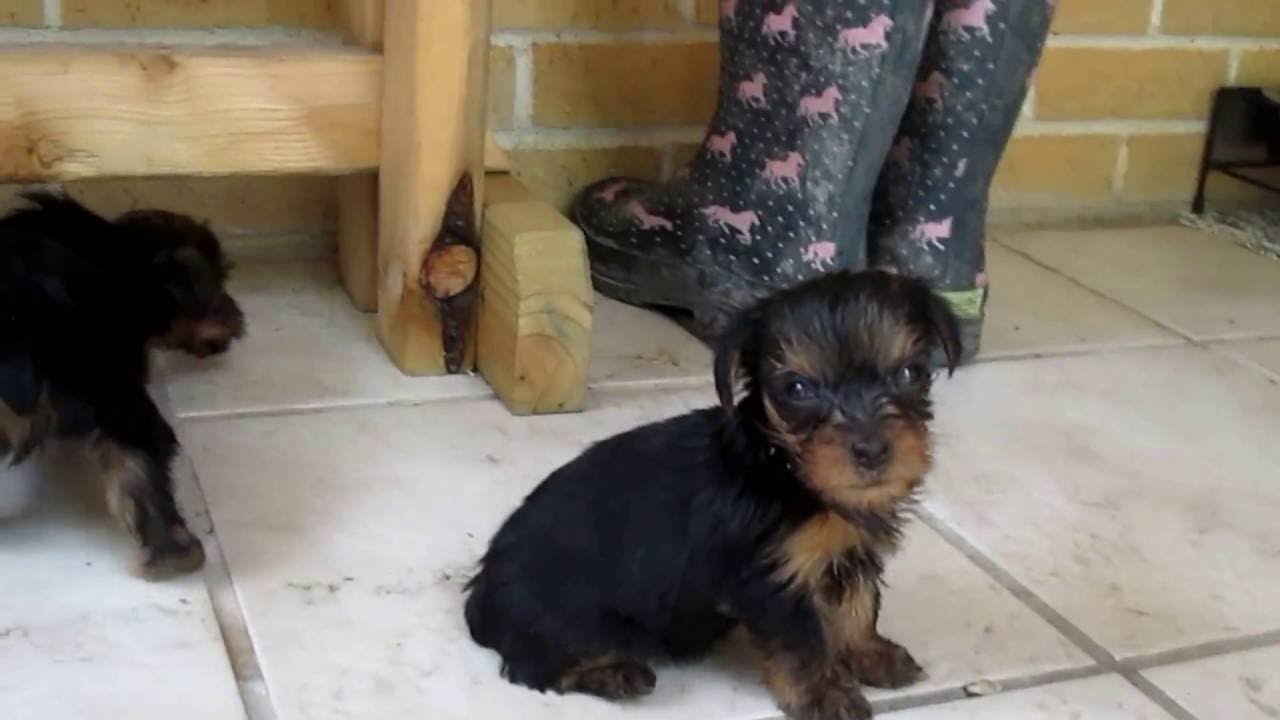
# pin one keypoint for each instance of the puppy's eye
(912, 374)
(799, 389)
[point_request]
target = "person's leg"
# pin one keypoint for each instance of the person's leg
(811, 94)
(929, 212)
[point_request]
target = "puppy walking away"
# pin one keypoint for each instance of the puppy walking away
(81, 299)
(772, 512)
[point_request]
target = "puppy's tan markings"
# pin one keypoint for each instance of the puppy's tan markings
(802, 358)
(610, 676)
(807, 553)
(831, 692)
(20, 434)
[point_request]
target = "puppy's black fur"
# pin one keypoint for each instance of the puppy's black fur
(81, 300)
(772, 512)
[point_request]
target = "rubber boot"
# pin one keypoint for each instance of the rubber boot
(811, 95)
(928, 217)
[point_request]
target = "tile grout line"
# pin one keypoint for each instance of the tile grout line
(1221, 349)
(957, 694)
(228, 612)
(1187, 336)
(1156, 695)
(1189, 339)
(1102, 658)
(242, 654)
(1202, 651)
(224, 600)
(662, 384)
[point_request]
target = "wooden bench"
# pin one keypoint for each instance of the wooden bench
(398, 110)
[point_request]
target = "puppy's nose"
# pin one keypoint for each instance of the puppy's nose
(871, 453)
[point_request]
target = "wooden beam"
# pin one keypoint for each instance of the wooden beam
(68, 112)
(535, 312)
(435, 63)
(361, 21)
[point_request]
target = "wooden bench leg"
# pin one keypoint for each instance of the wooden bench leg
(358, 239)
(361, 21)
(435, 65)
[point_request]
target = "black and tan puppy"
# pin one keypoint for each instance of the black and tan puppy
(81, 300)
(773, 512)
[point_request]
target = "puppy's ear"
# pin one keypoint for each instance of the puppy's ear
(732, 350)
(944, 328)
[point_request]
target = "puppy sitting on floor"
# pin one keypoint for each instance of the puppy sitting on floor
(81, 300)
(773, 512)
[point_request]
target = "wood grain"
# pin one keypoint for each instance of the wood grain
(361, 21)
(436, 62)
(68, 112)
(536, 308)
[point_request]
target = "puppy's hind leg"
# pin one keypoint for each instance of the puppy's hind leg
(610, 677)
(135, 449)
(536, 664)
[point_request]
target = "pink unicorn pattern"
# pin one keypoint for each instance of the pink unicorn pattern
(933, 234)
(751, 92)
(784, 172)
(726, 219)
(647, 220)
(816, 109)
(873, 35)
(780, 27)
(729, 11)
(722, 145)
(820, 255)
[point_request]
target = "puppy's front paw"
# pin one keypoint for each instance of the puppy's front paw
(180, 553)
(885, 664)
(839, 698)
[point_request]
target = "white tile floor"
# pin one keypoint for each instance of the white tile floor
(1099, 540)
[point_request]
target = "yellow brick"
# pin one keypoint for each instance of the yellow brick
(1102, 16)
(1089, 84)
(21, 12)
(593, 14)
(234, 205)
(557, 175)
(1056, 171)
(1259, 68)
(624, 84)
(1164, 168)
(502, 87)
(197, 13)
(709, 12)
(1221, 17)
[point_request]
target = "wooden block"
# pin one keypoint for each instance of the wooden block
(361, 22)
(435, 58)
(535, 310)
(68, 112)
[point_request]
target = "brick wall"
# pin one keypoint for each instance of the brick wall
(584, 88)
(1114, 125)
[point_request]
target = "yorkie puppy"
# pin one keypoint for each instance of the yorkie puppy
(81, 300)
(772, 512)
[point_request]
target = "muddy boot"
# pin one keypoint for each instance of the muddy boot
(811, 94)
(928, 216)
